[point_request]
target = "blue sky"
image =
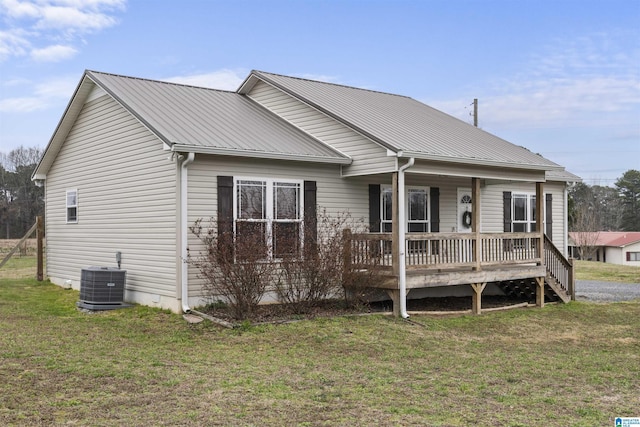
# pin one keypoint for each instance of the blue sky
(560, 77)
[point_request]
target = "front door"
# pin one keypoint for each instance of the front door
(464, 210)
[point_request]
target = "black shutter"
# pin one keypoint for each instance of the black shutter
(548, 214)
(310, 216)
(434, 194)
(225, 205)
(506, 208)
(225, 216)
(374, 208)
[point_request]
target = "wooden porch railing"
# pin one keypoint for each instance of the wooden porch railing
(447, 250)
(559, 268)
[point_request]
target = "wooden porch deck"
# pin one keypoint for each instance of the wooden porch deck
(450, 259)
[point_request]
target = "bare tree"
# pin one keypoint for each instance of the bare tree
(234, 268)
(21, 200)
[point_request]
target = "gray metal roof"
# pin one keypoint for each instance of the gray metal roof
(212, 121)
(562, 175)
(405, 125)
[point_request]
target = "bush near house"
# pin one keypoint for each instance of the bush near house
(238, 269)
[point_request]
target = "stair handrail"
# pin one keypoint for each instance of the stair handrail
(559, 267)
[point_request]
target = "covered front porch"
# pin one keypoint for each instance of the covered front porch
(419, 260)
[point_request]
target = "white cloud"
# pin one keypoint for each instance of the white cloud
(222, 79)
(53, 53)
(12, 44)
(33, 22)
(589, 81)
(70, 19)
(43, 96)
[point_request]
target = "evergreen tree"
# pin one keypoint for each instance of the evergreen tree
(628, 187)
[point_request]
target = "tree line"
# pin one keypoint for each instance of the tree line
(21, 200)
(594, 208)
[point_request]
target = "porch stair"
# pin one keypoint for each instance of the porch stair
(558, 282)
(525, 289)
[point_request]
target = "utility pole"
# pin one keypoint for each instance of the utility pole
(475, 112)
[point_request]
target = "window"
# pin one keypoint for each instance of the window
(523, 213)
(269, 213)
(72, 206)
(633, 256)
(417, 209)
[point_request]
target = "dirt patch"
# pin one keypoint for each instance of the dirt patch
(280, 313)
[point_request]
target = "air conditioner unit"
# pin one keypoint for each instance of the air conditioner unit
(102, 288)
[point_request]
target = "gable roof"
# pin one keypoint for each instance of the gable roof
(404, 125)
(608, 238)
(195, 119)
(203, 120)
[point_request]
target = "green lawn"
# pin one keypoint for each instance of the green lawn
(592, 270)
(564, 365)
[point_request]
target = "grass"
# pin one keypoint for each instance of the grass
(145, 366)
(592, 270)
(565, 365)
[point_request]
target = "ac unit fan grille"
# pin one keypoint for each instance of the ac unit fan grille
(102, 285)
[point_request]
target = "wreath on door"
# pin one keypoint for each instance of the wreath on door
(466, 219)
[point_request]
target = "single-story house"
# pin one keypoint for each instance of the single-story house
(134, 162)
(615, 247)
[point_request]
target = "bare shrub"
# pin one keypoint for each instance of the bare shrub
(323, 268)
(235, 269)
(314, 273)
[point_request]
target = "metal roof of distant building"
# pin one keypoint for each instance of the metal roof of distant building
(403, 124)
(208, 120)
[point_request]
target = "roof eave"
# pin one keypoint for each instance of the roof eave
(478, 162)
(259, 154)
(53, 146)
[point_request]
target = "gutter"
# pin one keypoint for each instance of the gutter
(261, 154)
(402, 225)
(184, 270)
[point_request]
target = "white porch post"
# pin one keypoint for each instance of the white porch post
(539, 219)
(475, 221)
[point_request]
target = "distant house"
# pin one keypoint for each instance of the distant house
(134, 162)
(615, 247)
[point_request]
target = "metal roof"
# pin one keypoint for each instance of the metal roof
(606, 238)
(562, 175)
(207, 120)
(405, 125)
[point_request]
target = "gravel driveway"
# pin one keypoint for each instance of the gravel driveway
(596, 291)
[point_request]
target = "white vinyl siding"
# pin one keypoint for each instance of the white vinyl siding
(128, 192)
(368, 157)
(334, 194)
(492, 210)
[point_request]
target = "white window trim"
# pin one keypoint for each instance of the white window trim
(528, 208)
(384, 188)
(67, 205)
(269, 219)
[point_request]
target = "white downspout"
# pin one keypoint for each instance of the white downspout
(565, 197)
(402, 225)
(184, 271)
